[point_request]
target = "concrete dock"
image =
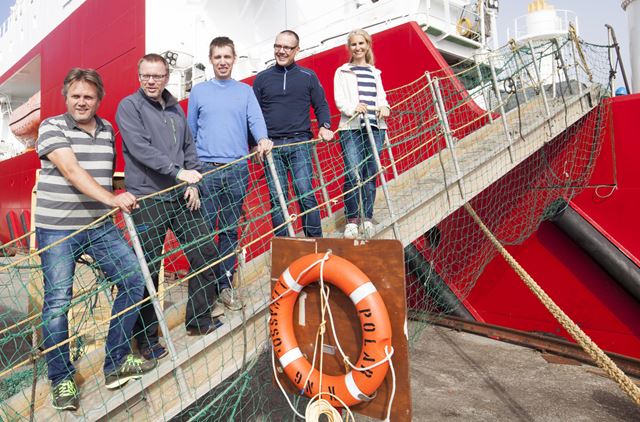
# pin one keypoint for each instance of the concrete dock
(457, 376)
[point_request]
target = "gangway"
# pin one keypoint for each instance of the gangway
(412, 201)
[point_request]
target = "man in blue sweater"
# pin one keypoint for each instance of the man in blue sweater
(285, 92)
(221, 113)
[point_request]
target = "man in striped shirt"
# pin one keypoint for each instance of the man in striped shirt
(77, 156)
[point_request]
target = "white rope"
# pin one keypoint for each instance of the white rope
(302, 273)
(318, 406)
(273, 359)
(393, 382)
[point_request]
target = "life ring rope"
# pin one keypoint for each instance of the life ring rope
(317, 405)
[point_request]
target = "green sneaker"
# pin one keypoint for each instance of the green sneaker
(131, 368)
(65, 395)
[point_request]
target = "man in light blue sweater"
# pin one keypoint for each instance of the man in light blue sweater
(221, 113)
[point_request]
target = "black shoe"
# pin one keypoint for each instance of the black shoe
(204, 330)
(154, 351)
(65, 395)
(131, 368)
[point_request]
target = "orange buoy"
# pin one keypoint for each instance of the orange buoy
(25, 120)
(355, 386)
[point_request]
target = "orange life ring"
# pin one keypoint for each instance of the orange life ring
(355, 386)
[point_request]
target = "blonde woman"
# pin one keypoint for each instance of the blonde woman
(359, 95)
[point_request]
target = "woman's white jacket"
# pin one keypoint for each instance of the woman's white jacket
(345, 95)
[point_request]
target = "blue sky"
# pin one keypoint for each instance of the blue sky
(4, 8)
(591, 19)
(592, 15)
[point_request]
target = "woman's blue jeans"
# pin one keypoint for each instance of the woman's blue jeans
(358, 157)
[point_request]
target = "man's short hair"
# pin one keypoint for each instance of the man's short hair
(78, 74)
(221, 42)
(292, 33)
(153, 58)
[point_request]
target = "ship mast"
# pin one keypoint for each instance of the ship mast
(632, 8)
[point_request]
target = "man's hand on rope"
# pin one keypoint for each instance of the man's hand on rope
(189, 176)
(125, 201)
(325, 134)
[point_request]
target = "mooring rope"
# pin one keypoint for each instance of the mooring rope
(592, 349)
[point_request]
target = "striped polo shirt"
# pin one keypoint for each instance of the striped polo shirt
(59, 205)
(367, 90)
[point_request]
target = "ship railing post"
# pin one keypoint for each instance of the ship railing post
(563, 64)
(483, 30)
(516, 55)
(323, 188)
(487, 98)
(153, 296)
(540, 83)
(280, 194)
(383, 179)
(503, 114)
(539, 80)
(448, 137)
(575, 67)
(392, 160)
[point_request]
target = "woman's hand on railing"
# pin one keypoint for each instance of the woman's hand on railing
(361, 108)
(383, 112)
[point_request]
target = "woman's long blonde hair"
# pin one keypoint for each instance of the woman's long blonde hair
(369, 54)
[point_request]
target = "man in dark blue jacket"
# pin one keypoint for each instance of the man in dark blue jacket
(285, 93)
(159, 153)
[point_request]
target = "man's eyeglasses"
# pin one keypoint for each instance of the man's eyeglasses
(287, 49)
(154, 77)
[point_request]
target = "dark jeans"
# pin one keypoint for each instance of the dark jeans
(154, 217)
(297, 159)
(223, 193)
(117, 261)
(358, 156)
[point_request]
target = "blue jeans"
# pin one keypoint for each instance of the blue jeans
(358, 156)
(297, 159)
(223, 194)
(117, 261)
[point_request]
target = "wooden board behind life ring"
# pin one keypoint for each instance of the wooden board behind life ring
(355, 386)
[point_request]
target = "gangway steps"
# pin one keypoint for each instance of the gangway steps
(421, 195)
